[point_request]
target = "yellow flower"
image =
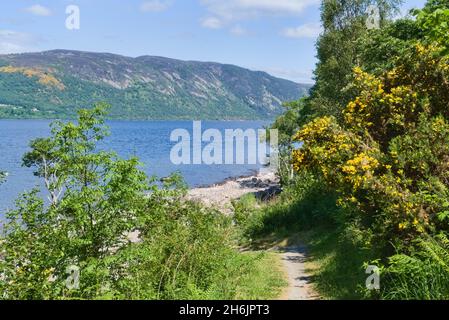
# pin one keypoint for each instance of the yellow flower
(349, 169)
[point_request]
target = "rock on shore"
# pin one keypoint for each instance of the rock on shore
(263, 185)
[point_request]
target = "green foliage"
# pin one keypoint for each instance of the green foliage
(129, 237)
(423, 274)
(303, 202)
(287, 124)
(260, 284)
(101, 193)
(378, 139)
(391, 151)
(344, 24)
(434, 21)
(297, 113)
(94, 198)
(184, 254)
(378, 49)
(340, 257)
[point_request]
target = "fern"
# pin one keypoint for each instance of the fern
(423, 275)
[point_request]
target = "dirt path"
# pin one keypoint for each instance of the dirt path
(299, 284)
(293, 257)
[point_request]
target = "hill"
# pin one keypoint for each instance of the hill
(54, 84)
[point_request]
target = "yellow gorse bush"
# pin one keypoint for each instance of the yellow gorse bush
(379, 109)
(392, 147)
(360, 169)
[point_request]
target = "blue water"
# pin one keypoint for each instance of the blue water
(148, 140)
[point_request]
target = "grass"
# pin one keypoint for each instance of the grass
(423, 274)
(265, 281)
(336, 264)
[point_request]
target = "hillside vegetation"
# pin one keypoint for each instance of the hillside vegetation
(55, 84)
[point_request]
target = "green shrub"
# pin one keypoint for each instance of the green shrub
(422, 274)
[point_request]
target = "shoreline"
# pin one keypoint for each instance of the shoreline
(262, 184)
(254, 173)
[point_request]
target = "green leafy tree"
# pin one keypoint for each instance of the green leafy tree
(379, 49)
(95, 198)
(296, 114)
(100, 190)
(433, 19)
(344, 22)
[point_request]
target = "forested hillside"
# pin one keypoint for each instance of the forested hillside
(55, 84)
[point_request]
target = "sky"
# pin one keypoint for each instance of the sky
(276, 36)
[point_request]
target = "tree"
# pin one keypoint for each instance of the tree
(434, 21)
(95, 201)
(389, 158)
(297, 114)
(101, 191)
(378, 50)
(344, 22)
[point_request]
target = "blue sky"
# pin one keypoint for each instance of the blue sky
(277, 36)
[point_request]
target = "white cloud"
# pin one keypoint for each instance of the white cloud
(225, 13)
(231, 10)
(39, 10)
(16, 42)
(311, 30)
(155, 6)
(238, 31)
(212, 23)
(300, 76)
